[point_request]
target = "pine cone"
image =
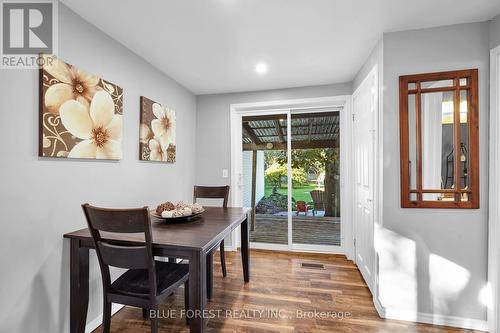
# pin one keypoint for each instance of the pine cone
(164, 206)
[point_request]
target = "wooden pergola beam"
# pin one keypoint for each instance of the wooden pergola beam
(302, 115)
(337, 128)
(295, 145)
(310, 128)
(248, 131)
(278, 129)
(295, 126)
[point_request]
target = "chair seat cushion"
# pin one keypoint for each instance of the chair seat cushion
(136, 281)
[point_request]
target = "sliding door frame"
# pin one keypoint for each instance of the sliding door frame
(237, 111)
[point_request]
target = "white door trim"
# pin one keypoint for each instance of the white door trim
(237, 111)
(494, 195)
(377, 195)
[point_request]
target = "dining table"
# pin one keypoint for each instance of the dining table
(194, 241)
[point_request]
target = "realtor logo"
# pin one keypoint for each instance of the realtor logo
(28, 29)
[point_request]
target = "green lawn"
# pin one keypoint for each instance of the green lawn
(300, 193)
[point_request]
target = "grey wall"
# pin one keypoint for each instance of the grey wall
(430, 260)
(495, 32)
(213, 139)
(40, 198)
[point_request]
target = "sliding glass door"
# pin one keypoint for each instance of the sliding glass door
(291, 178)
(315, 162)
(265, 170)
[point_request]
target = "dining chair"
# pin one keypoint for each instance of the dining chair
(214, 192)
(146, 282)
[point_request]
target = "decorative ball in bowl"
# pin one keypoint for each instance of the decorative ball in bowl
(179, 212)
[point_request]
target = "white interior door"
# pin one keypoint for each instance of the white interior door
(364, 117)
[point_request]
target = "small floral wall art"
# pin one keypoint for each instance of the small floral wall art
(158, 132)
(80, 113)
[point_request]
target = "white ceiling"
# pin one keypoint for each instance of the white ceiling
(212, 46)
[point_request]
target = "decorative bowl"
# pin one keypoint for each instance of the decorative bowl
(187, 218)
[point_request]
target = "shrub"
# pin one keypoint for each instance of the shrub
(276, 174)
(298, 177)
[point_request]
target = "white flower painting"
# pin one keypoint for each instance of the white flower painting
(80, 114)
(158, 132)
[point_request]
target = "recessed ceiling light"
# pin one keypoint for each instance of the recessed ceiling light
(261, 68)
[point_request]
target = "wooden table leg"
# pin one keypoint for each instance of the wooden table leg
(210, 274)
(245, 252)
(79, 286)
(197, 291)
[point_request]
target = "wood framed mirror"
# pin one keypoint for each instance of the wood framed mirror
(439, 140)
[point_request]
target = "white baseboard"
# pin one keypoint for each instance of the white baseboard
(428, 318)
(98, 321)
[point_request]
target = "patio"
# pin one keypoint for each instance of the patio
(306, 230)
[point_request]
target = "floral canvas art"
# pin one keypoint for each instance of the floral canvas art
(158, 131)
(80, 114)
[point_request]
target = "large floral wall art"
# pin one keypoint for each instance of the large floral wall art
(80, 113)
(158, 131)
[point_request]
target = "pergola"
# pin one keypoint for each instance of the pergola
(269, 132)
(309, 130)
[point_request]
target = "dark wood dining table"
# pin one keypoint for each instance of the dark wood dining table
(194, 241)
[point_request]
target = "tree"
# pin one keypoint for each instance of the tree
(318, 160)
(277, 172)
(298, 177)
(273, 156)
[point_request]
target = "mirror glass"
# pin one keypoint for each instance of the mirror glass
(437, 144)
(412, 140)
(464, 143)
(437, 123)
(436, 84)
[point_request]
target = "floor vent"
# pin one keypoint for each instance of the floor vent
(310, 265)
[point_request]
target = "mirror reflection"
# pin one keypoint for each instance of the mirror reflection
(437, 142)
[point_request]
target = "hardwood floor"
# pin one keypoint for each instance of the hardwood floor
(279, 282)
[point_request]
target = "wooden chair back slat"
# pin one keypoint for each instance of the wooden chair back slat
(318, 199)
(212, 192)
(128, 257)
(118, 220)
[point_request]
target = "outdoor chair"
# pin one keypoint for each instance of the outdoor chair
(301, 207)
(318, 198)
